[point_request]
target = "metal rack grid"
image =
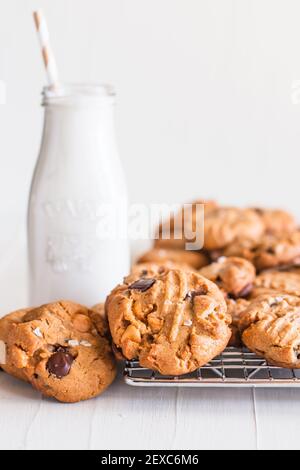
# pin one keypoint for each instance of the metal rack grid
(233, 368)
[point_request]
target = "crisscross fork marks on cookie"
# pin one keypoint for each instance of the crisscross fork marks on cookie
(271, 328)
(186, 326)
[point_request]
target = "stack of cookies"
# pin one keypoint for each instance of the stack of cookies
(178, 309)
(174, 312)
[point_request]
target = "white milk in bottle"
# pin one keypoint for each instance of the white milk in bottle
(77, 218)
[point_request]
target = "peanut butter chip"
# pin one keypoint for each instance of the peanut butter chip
(2, 352)
(82, 323)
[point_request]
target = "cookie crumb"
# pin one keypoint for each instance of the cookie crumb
(37, 332)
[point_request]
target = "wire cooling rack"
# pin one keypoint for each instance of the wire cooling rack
(233, 368)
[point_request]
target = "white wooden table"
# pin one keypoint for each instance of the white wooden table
(136, 418)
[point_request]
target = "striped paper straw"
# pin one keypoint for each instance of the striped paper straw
(47, 54)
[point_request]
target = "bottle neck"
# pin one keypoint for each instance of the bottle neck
(78, 121)
(78, 111)
(77, 133)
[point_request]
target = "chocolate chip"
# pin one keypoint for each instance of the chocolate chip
(258, 210)
(245, 291)
(60, 363)
(142, 285)
(192, 294)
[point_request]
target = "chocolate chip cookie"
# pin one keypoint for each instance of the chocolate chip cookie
(269, 252)
(277, 222)
(270, 327)
(192, 258)
(223, 225)
(61, 348)
(234, 276)
(146, 270)
(173, 323)
(277, 281)
(5, 327)
(175, 232)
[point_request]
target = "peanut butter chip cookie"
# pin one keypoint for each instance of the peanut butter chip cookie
(277, 222)
(192, 258)
(277, 281)
(173, 323)
(62, 349)
(271, 329)
(223, 225)
(144, 270)
(270, 252)
(5, 327)
(235, 276)
(180, 229)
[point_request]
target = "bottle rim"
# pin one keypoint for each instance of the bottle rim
(76, 92)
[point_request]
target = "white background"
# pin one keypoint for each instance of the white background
(205, 108)
(204, 104)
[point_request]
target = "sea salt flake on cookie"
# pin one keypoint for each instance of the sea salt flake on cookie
(85, 343)
(37, 332)
(73, 342)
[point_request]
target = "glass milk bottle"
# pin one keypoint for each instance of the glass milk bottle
(77, 217)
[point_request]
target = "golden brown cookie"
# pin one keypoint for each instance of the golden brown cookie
(192, 258)
(270, 327)
(174, 233)
(5, 327)
(270, 252)
(173, 323)
(99, 309)
(145, 270)
(61, 348)
(223, 225)
(235, 308)
(293, 269)
(234, 276)
(277, 281)
(277, 222)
